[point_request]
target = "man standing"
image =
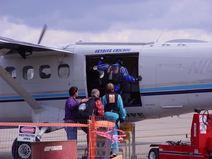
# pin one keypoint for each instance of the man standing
(70, 108)
(94, 106)
(99, 108)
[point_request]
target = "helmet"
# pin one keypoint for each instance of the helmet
(119, 60)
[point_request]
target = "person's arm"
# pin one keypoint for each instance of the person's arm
(126, 75)
(104, 100)
(101, 66)
(122, 110)
(71, 103)
(83, 100)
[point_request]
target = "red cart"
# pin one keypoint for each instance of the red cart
(200, 146)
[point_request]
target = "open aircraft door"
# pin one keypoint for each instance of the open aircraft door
(98, 78)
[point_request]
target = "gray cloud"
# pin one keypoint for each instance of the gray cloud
(98, 16)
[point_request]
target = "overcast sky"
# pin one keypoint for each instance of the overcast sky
(69, 21)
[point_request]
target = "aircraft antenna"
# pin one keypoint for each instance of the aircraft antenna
(42, 33)
(160, 35)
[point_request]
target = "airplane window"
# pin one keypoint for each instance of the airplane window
(12, 71)
(63, 70)
(28, 72)
(45, 71)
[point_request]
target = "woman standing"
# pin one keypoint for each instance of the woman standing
(114, 111)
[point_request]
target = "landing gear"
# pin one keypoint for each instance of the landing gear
(153, 153)
(21, 150)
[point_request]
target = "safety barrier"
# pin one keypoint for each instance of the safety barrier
(10, 130)
(129, 141)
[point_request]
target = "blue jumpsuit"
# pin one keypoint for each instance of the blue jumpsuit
(123, 72)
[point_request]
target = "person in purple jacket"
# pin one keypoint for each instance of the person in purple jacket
(70, 105)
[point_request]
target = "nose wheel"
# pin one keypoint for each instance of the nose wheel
(21, 150)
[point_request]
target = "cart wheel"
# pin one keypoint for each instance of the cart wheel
(153, 153)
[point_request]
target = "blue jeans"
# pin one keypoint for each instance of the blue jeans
(110, 116)
(71, 132)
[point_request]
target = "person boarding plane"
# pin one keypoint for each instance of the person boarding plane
(176, 78)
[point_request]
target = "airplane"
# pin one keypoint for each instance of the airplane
(176, 78)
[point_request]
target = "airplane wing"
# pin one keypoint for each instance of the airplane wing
(11, 46)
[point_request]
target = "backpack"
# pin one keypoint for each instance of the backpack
(85, 110)
(99, 108)
(112, 106)
(113, 72)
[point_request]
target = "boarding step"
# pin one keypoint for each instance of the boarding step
(118, 157)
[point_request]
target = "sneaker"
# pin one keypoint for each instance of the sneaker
(113, 155)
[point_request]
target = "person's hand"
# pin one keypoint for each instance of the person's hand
(84, 100)
(139, 78)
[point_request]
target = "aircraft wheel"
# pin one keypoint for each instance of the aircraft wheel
(21, 149)
(153, 153)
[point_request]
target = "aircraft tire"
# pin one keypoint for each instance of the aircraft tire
(21, 149)
(153, 153)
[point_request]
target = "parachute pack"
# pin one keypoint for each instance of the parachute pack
(84, 110)
(111, 105)
(114, 74)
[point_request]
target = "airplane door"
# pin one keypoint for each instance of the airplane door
(98, 78)
(170, 87)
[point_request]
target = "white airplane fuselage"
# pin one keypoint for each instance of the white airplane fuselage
(176, 78)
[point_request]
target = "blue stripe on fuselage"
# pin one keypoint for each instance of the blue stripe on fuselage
(183, 89)
(201, 88)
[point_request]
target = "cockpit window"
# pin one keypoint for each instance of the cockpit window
(63, 70)
(12, 71)
(28, 72)
(45, 71)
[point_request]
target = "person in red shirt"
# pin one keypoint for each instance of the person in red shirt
(95, 107)
(99, 108)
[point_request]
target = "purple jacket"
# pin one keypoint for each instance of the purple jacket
(70, 106)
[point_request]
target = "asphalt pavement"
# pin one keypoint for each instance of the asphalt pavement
(147, 132)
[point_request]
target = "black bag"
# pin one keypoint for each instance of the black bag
(85, 110)
(112, 106)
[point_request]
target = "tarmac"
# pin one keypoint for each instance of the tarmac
(157, 131)
(153, 131)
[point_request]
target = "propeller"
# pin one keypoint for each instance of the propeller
(42, 33)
